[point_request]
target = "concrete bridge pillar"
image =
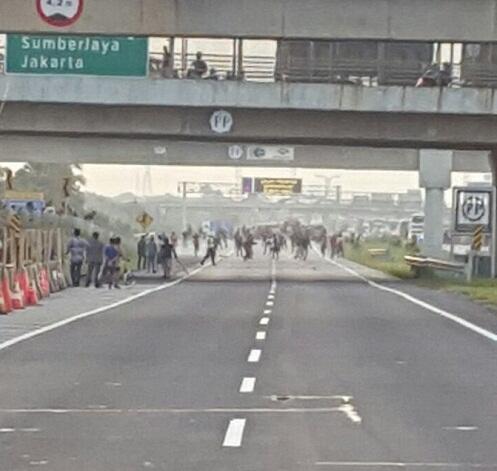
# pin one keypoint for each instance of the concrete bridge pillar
(435, 167)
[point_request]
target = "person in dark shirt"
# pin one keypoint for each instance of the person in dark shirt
(166, 254)
(111, 262)
(76, 248)
(199, 67)
(196, 243)
(142, 253)
(94, 258)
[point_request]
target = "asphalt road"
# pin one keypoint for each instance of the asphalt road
(347, 377)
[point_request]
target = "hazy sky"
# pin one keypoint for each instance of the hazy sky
(165, 179)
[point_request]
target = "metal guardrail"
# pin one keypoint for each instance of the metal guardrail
(418, 263)
(378, 252)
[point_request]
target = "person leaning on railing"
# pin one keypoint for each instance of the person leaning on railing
(198, 68)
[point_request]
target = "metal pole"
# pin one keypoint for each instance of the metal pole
(183, 208)
(239, 72)
(184, 55)
(493, 246)
(235, 58)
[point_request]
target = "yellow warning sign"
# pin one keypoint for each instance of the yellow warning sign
(145, 220)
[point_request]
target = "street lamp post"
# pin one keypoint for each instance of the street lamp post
(327, 182)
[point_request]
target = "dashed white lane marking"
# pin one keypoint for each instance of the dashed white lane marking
(393, 464)
(70, 320)
(248, 385)
(447, 315)
(267, 311)
(234, 433)
(22, 430)
(254, 355)
(269, 303)
(264, 321)
(270, 296)
(261, 335)
(461, 428)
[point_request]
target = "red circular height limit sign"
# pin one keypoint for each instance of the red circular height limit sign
(59, 13)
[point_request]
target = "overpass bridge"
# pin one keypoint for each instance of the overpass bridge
(296, 113)
(53, 118)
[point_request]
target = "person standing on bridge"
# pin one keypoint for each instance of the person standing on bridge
(199, 67)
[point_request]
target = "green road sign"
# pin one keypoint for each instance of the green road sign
(77, 55)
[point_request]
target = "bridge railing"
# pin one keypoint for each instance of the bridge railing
(257, 68)
(470, 65)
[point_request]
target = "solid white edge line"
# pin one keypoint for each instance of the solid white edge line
(458, 320)
(70, 320)
(234, 433)
(394, 464)
(264, 321)
(248, 385)
(261, 335)
(254, 355)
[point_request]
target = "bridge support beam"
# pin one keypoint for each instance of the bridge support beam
(435, 168)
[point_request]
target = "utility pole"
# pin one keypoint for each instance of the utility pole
(183, 205)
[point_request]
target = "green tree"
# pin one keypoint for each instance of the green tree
(49, 179)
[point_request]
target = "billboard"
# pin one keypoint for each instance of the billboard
(278, 186)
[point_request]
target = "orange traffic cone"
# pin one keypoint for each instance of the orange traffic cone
(17, 297)
(25, 284)
(44, 283)
(3, 305)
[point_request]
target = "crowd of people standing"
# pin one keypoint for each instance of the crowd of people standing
(104, 262)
